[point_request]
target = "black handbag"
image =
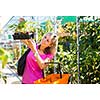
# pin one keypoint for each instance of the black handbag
(22, 63)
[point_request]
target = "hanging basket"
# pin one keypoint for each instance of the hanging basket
(54, 79)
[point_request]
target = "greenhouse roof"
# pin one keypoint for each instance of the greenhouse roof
(40, 19)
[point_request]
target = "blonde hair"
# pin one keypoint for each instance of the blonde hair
(52, 49)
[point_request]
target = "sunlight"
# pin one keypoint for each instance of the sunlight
(4, 20)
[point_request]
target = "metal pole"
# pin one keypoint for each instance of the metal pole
(20, 49)
(38, 25)
(78, 56)
(55, 31)
(36, 33)
(55, 25)
(7, 22)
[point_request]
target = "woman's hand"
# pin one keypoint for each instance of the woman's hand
(30, 43)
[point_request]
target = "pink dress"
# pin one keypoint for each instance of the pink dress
(32, 70)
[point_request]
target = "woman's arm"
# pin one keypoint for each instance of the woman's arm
(42, 63)
(32, 45)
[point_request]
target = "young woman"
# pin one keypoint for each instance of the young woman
(38, 56)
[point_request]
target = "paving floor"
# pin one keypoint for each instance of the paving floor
(11, 74)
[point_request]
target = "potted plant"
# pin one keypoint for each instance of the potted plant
(23, 30)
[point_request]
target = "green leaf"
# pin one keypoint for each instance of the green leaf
(4, 55)
(4, 60)
(2, 51)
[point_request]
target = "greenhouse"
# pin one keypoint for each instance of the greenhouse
(77, 60)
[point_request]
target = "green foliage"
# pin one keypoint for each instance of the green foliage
(89, 40)
(67, 56)
(23, 26)
(4, 56)
(90, 52)
(43, 30)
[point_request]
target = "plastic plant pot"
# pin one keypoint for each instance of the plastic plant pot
(20, 36)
